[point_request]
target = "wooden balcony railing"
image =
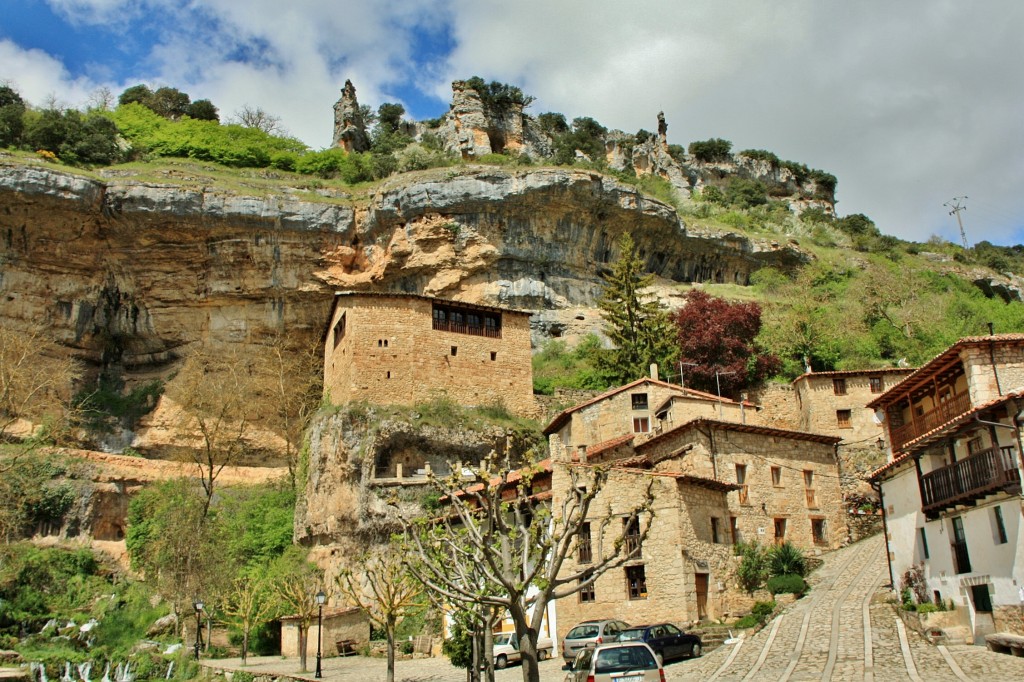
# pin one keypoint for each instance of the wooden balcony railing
(921, 424)
(463, 328)
(970, 479)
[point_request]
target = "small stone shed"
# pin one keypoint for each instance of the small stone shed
(340, 623)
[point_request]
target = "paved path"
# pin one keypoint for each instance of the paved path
(842, 630)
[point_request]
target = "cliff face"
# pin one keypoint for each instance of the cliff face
(128, 271)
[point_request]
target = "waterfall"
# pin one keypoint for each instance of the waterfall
(170, 669)
(106, 674)
(66, 677)
(84, 670)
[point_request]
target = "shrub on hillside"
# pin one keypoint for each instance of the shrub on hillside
(786, 584)
(715, 149)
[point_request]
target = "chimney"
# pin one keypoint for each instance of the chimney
(654, 371)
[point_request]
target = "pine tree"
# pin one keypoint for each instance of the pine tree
(636, 323)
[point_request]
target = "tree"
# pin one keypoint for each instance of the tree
(169, 102)
(497, 546)
(139, 94)
(12, 112)
(389, 116)
(384, 590)
(297, 582)
(216, 394)
(255, 117)
(203, 110)
(36, 379)
(638, 326)
(720, 338)
(715, 149)
(248, 603)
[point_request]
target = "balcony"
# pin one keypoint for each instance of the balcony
(921, 424)
(972, 478)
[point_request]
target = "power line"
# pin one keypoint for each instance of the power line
(955, 208)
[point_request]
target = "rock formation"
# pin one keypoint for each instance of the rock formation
(349, 127)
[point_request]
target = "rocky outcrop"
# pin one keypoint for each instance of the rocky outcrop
(349, 126)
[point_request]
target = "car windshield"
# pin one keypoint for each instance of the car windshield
(582, 632)
(621, 659)
(502, 639)
(633, 634)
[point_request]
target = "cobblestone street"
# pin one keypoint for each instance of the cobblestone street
(842, 630)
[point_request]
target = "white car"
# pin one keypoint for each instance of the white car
(618, 662)
(506, 649)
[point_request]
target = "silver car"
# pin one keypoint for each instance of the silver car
(618, 662)
(590, 633)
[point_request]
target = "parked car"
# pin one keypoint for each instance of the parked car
(667, 641)
(506, 649)
(590, 633)
(632, 661)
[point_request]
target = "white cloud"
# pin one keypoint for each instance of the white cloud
(38, 77)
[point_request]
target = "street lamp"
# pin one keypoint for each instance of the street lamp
(320, 599)
(198, 604)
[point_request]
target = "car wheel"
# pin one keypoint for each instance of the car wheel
(695, 651)
(543, 655)
(501, 662)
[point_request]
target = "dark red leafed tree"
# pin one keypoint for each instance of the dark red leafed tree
(718, 336)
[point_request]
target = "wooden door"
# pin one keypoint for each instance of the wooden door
(701, 584)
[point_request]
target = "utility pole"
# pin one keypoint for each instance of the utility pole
(955, 207)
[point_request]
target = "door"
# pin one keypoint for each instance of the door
(961, 558)
(701, 584)
(983, 621)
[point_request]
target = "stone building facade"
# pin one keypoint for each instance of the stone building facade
(836, 402)
(401, 349)
(340, 624)
(644, 406)
(714, 483)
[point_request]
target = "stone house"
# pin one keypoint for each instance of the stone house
(836, 402)
(643, 406)
(951, 490)
(340, 624)
(401, 349)
(714, 483)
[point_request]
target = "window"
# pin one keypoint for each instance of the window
(455, 351)
(876, 384)
(741, 479)
(631, 535)
(339, 330)
(715, 538)
(452, 318)
(961, 557)
(636, 582)
(639, 401)
(997, 513)
(734, 531)
(494, 355)
(812, 499)
(641, 424)
(585, 555)
(923, 537)
(776, 476)
(818, 532)
(843, 419)
(780, 531)
(974, 445)
(587, 594)
(839, 386)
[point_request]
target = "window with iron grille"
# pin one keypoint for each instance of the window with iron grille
(636, 582)
(839, 386)
(876, 384)
(844, 419)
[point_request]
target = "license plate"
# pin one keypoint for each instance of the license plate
(630, 678)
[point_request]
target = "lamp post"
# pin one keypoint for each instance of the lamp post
(198, 604)
(320, 599)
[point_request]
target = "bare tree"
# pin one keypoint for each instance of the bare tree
(290, 384)
(255, 117)
(498, 544)
(101, 99)
(384, 590)
(36, 379)
(215, 392)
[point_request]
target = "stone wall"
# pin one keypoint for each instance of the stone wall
(822, 396)
(986, 382)
(384, 350)
(779, 406)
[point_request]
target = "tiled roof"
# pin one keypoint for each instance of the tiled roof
(432, 299)
(856, 372)
(686, 479)
(563, 417)
(744, 428)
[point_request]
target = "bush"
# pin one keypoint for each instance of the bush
(747, 621)
(927, 608)
(786, 559)
(753, 568)
(786, 584)
(763, 610)
(744, 193)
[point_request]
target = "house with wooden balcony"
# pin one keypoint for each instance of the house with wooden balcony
(951, 490)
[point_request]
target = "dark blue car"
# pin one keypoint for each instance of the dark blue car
(667, 640)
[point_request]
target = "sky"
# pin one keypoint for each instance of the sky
(910, 104)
